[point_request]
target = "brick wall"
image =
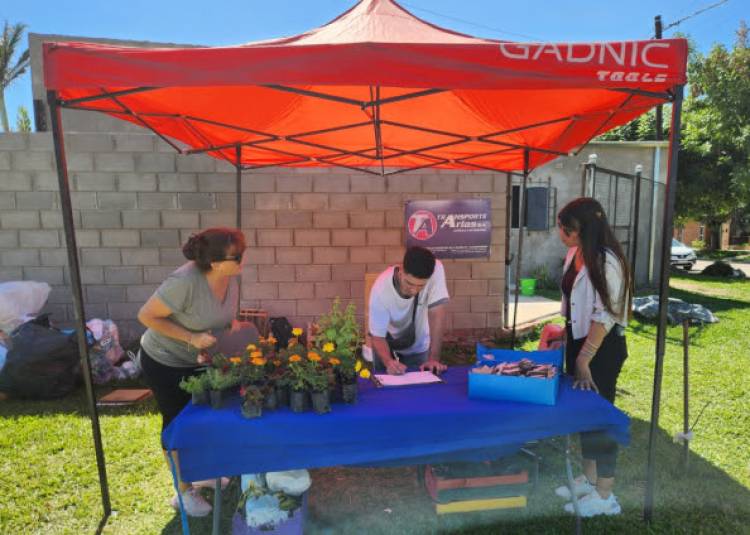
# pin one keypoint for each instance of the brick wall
(313, 233)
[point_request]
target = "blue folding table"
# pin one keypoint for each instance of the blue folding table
(389, 426)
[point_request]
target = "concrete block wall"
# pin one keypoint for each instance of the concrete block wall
(312, 233)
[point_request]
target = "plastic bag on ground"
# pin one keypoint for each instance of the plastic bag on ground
(20, 299)
(292, 482)
(677, 310)
(42, 362)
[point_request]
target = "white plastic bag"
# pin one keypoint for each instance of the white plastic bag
(291, 482)
(19, 299)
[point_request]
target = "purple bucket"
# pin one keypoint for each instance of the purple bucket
(293, 526)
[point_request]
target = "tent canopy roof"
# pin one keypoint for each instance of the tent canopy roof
(375, 86)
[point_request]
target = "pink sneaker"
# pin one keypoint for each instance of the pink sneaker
(193, 503)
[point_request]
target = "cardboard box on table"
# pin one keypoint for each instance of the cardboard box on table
(541, 391)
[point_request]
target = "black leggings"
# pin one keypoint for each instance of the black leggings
(164, 382)
(605, 368)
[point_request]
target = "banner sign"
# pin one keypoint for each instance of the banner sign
(458, 228)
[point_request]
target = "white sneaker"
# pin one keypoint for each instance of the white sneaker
(211, 483)
(581, 487)
(592, 505)
(193, 503)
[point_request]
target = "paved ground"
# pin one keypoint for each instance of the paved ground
(533, 308)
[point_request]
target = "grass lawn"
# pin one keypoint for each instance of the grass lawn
(49, 481)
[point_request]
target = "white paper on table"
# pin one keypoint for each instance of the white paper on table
(409, 378)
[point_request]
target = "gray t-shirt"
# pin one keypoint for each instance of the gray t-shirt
(194, 307)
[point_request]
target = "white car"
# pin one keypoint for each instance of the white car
(682, 255)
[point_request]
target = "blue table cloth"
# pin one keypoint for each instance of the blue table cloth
(389, 426)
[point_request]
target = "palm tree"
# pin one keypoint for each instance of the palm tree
(9, 72)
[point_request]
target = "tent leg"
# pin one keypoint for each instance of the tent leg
(661, 333)
(520, 244)
(238, 156)
(636, 221)
(685, 393)
(66, 208)
(571, 484)
(508, 258)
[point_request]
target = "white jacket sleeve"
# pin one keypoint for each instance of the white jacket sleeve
(615, 285)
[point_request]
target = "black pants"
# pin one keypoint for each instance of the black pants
(164, 382)
(605, 368)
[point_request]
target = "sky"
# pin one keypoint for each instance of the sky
(227, 22)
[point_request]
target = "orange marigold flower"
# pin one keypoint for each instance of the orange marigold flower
(334, 361)
(258, 361)
(235, 360)
(271, 340)
(295, 358)
(313, 357)
(256, 354)
(276, 362)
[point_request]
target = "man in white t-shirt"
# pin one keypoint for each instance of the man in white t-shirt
(404, 332)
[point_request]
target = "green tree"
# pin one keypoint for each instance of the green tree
(714, 164)
(23, 121)
(10, 70)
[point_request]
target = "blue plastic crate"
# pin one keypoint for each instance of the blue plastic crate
(508, 388)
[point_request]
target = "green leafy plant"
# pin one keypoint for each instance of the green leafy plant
(194, 384)
(220, 378)
(338, 335)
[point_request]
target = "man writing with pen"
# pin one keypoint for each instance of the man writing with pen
(407, 314)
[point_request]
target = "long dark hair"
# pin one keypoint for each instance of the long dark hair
(586, 216)
(212, 245)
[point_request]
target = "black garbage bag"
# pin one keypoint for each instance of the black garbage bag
(42, 362)
(677, 310)
(722, 269)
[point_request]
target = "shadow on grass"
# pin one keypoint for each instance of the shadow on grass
(392, 501)
(76, 404)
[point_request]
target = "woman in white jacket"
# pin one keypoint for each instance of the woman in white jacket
(596, 288)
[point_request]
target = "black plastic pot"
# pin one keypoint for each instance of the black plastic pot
(251, 411)
(201, 398)
(271, 402)
(299, 401)
(349, 393)
(218, 397)
(321, 402)
(282, 396)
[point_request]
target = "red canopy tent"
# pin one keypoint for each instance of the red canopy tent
(377, 90)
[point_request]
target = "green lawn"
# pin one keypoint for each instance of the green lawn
(49, 480)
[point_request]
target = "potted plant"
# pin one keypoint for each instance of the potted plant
(196, 386)
(339, 338)
(220, 381)
(317, 382)
(252, 401)
(299, 397)
(279, 379)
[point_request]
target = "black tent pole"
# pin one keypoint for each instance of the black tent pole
(238, 159)
(508, 258)
(521, 223)
(66, 208)
(636, 221)
(661, 333)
